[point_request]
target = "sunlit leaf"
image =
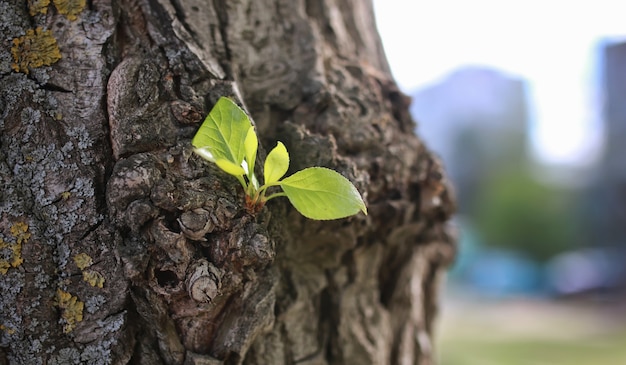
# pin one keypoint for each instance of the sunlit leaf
(276, 164)
(251, 144)
(230, 167)
(321, 193)
(223, 132)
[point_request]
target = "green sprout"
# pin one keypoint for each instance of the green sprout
(227, 138)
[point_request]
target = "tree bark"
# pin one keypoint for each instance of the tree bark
(119, 246)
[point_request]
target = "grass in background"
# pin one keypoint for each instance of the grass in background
(531, 333)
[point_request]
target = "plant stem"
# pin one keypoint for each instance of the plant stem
(243, 183)
(276, 195)
(261, 193)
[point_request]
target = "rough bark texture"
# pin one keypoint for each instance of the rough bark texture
(117, 245)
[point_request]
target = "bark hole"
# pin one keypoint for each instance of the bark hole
(166, 278)
(170, 221)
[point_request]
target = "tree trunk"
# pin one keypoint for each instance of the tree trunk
(119, 246)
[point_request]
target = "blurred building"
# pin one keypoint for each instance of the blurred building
(596, 265)
(606, 201)
(476, 121)
(612, 219)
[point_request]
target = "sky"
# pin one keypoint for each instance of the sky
(553, 44)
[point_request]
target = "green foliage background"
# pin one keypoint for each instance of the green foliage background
(516, 211)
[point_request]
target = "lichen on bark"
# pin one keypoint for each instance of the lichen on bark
(38, 7)
(36, 48)
(70, 8)
(72, 310)
(13, 255)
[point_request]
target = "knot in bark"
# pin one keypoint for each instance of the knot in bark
(203, 281)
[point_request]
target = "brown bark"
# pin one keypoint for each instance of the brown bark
(119, 246)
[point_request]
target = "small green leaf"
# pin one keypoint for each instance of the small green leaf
(321, 193)
(251, 144)
(276, 164)
(230, 167)
(223, 132)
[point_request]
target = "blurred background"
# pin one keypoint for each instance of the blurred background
(525, 103)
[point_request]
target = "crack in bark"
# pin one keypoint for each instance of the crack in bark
(55, 88)
(180, 15)
(220, 7)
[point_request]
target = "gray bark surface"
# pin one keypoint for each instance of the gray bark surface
(119, 246)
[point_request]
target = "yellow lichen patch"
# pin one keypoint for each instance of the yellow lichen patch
(72, 310)
(4, 263)
(14, 258)
(83, 261)
(16, 255)
(4, 266)
(70, 8)
(20, 231)
(94, 278)
(38, 6)
(35, 49)
(66, 195)
(7, 329)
